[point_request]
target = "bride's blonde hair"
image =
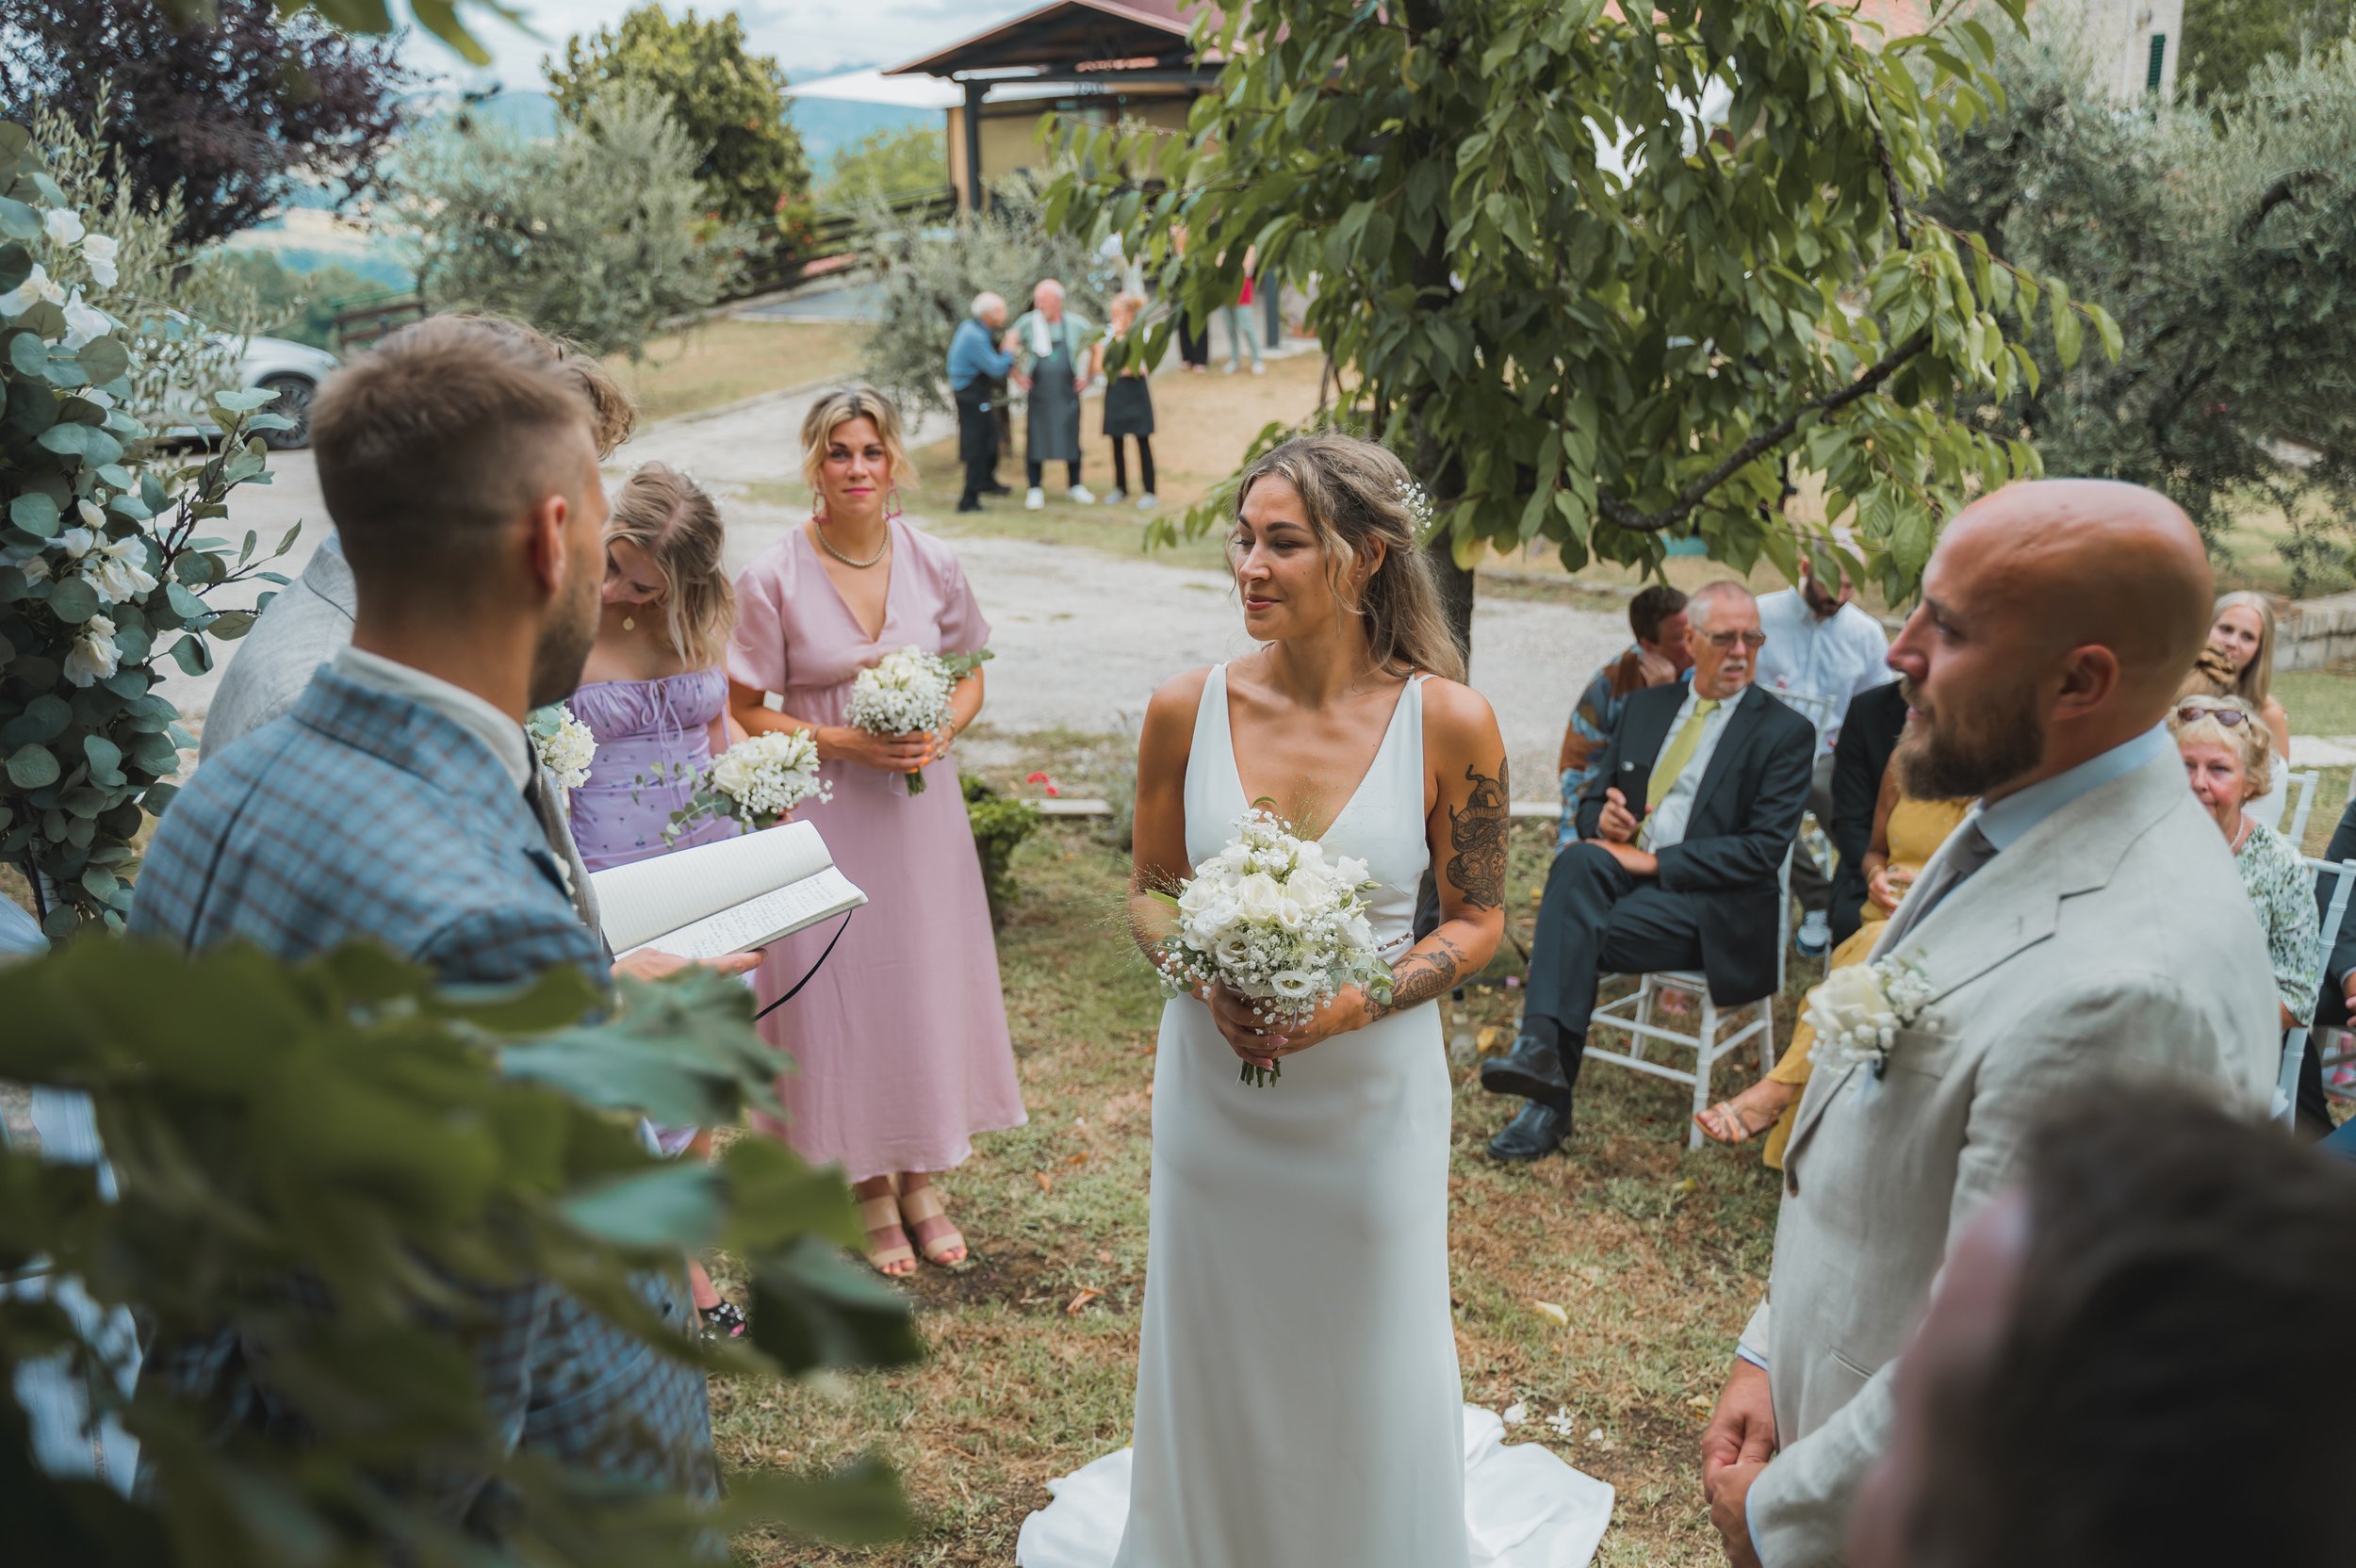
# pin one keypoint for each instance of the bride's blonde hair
(1356, 494)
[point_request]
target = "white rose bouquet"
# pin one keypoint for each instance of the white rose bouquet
(1858, 1011)
(908, 693)
(566, 746)
(1278, 922)
(758, 781)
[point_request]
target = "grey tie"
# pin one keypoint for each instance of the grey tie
(1971, 850)
(542, 795)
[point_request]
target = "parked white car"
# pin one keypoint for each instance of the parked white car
(293, 371)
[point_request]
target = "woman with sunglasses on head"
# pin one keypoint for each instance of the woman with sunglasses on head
(2226, 745)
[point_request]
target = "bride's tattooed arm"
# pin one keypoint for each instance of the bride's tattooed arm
(1436, 967)
(1476, 832)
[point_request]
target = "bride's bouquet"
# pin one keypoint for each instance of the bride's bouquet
(908, 693)
(1278, 922)
(758, 781)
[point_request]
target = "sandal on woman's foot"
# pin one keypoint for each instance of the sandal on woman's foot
(892, 1259)
(928, 1219)
(1715, 1121)
(723, 1319)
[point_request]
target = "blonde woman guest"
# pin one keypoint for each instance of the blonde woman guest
(654, 695)
(2242, 634)
(1128, 407)
(1907, 833)
(2226, 746)
(899, 1042)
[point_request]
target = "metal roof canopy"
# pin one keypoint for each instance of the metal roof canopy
(1073, 39)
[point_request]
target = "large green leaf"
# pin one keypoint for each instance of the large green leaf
(73, 600)
(32, 767)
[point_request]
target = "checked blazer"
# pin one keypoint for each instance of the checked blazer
(363, 814)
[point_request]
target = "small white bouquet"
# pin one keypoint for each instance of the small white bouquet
(564, 742)
(1858, 1011)
(758, 781)
(1277, 920)
(908, 693)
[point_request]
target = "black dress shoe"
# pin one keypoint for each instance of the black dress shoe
(969, 504)
(1532, 1070)
(1536, 1133)
(994, 488)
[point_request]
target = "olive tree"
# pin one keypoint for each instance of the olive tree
(1603, 280)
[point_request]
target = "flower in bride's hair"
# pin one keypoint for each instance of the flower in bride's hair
(1418, 504)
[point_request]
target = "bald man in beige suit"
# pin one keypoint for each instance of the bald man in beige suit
(2085, 921)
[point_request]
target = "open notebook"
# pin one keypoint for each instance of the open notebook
(725, 896)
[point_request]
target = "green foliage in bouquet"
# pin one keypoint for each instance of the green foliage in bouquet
(104, 567)
(1000, 825)
(1603, 282)
(344, 1119)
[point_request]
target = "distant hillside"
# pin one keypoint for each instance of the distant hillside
(827, 126)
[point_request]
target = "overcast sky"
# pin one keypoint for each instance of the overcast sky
(809, 38)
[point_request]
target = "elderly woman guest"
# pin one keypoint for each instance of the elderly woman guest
(1907, 833)
(900, 1040)
(2226, 746)
(1053, 345)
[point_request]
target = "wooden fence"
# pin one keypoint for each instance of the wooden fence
(833, 243)
(361, 323)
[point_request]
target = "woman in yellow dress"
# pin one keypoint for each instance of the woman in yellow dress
(1907, 833)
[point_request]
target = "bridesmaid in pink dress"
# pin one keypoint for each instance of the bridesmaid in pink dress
(899, 1043)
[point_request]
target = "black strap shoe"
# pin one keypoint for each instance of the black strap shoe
(1536, 1133)
(1532, 1070)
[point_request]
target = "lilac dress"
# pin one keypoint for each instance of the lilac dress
(654, 738)
(899, 1043)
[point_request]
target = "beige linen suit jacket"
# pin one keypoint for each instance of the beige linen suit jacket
(2104, 942)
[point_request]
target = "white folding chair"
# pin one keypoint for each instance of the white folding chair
(2296, 1043)
(2299, 786)
(1632, 1015)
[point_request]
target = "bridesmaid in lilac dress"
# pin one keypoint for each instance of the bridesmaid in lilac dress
(900, 1041)
(655, 698)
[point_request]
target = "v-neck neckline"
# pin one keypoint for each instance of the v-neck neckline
(1382, 749)
(892, 581)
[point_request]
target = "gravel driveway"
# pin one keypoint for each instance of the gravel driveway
(1080, 636)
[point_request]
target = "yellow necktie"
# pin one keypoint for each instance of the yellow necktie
(1680, 752)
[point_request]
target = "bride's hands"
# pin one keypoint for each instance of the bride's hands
(1262, 1044)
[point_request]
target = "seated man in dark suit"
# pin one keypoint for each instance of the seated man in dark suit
(1683, 830)
(1869, 733)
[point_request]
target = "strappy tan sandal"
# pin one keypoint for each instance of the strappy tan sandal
(924, 1211)
(880, 1215)
(1725, 1110)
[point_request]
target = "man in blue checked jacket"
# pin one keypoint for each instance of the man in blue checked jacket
(400, 801)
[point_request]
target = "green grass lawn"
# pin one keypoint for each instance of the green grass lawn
(729, 358)
(1654, 1254)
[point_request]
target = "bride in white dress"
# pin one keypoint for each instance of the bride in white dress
(1299, 1404)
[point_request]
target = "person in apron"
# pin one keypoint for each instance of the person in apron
(1055, 345)
(1128, 407)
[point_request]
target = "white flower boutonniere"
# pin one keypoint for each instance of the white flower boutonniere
(564, 744)
(1858, 1011)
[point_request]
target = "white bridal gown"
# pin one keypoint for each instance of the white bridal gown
(1299, 1404)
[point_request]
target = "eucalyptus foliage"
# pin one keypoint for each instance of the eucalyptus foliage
(1601, 278)
(344, 1120)
(104, 567)
(596, 234)
(2221, 233)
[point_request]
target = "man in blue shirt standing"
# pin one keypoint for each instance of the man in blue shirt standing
(977, 366)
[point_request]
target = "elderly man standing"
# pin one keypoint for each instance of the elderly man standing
(1820, 645)
(977, 365)
(1054, 344)
(1683, 830)
(2081, 927)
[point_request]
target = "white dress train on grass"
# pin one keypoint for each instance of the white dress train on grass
(1298, 1403)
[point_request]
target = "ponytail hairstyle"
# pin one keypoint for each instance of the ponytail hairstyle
(676, 523)
(1357, 495)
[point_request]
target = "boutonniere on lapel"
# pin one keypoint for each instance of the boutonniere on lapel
(1858, 1011)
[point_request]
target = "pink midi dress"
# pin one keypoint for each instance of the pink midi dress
(899, 1043)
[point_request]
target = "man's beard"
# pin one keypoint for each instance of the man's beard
(563, 650)
(1963, 756)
